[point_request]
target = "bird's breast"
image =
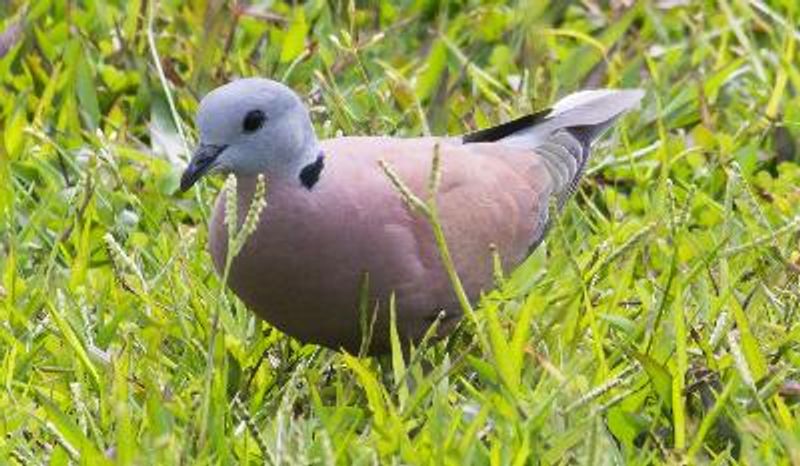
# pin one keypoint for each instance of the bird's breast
(303, 268)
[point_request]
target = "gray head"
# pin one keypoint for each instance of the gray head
(252, 126)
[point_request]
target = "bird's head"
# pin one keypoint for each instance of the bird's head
(251, 126)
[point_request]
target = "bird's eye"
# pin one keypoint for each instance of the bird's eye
(253, 120)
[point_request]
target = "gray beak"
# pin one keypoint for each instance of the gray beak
(202, 160)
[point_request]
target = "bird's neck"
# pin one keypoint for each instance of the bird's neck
(288, 164)
(310, 173)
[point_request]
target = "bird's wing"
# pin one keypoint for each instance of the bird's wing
(489, 194)
(562, 135)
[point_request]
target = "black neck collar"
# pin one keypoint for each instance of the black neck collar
(309, 175)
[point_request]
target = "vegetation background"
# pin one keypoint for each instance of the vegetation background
(657, 324)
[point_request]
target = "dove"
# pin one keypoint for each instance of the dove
(335, 225)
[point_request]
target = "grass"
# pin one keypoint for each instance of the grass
(657, 324)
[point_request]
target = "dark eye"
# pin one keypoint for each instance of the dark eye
(253, 120)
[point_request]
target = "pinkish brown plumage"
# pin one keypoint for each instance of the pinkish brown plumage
(331, 220)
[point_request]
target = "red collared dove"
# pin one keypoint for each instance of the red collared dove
(333, 215)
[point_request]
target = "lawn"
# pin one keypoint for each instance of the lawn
(657, 324)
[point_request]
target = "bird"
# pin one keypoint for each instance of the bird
(334, 221)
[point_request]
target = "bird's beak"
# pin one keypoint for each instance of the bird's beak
(202, 160)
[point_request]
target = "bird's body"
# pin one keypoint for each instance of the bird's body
(333, 217)
(353, 221)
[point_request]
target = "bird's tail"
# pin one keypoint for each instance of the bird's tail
(563, 134)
